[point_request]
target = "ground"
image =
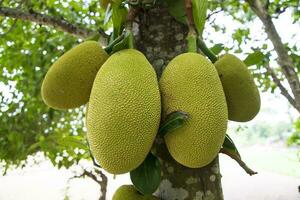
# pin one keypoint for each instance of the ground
(278, 179)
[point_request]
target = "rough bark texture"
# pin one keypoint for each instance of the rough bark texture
(161, 38)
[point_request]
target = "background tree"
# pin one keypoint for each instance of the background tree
(35, 33)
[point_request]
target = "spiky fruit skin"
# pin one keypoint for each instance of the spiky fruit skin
(124, 111)
(69, 81)
(128, 192)
(190, 83)
(241, 93)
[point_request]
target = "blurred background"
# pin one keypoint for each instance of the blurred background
(43, 152)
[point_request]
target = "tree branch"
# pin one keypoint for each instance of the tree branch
(102, 182)
(283, 90)
(214, 13)
(239, 161)
(43, 19)
(284, 60)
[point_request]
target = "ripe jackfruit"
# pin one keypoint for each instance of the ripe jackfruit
(241, 93)
(124, 111)
(190, 83)
(128, 192)
(69, 81)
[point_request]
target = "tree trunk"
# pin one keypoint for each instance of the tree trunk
(161, 38)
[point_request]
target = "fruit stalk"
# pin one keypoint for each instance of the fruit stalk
(213, 58)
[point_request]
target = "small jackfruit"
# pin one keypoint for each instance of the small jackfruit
(241, 93)
(123, 112)
(69, 81)
(190, 83)
(128, 192)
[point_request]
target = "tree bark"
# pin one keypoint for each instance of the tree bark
(161, 38)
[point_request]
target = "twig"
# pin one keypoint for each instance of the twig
(212, 57)
(93, 158)
(94, 162)
(43, 19)
(284, 60)
(239, 161)
(283, 90)
(102, 182)
(213, 13)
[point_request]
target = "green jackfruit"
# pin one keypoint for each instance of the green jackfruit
(190, 83)
(241, 93)
(123, 112)
(128, 192)
(69, 81)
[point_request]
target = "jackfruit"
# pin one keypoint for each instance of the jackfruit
(69, 81)
(190, 83)
(128, 192)
(241, 93)
(123, 112)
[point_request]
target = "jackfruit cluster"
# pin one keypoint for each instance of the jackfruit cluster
(125, 102)
(128, 192)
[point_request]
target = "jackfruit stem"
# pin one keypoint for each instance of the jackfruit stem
(131, 40)
(110, 47)
(132, 13)
(212, 57)
(192, 41)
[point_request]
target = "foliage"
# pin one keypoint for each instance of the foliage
(146, 178)
(27, 50)
(295, 137)
(26, 53)
(260, 53)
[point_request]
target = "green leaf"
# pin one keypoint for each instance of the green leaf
(217, 48)
(177, 10)
(73, 141)
(173, 121)
(94, 37)
(108, 14)
(199, 14)
(146, 178)
(230, 146)
(254, 58)
(123, 44)
(119, 15)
